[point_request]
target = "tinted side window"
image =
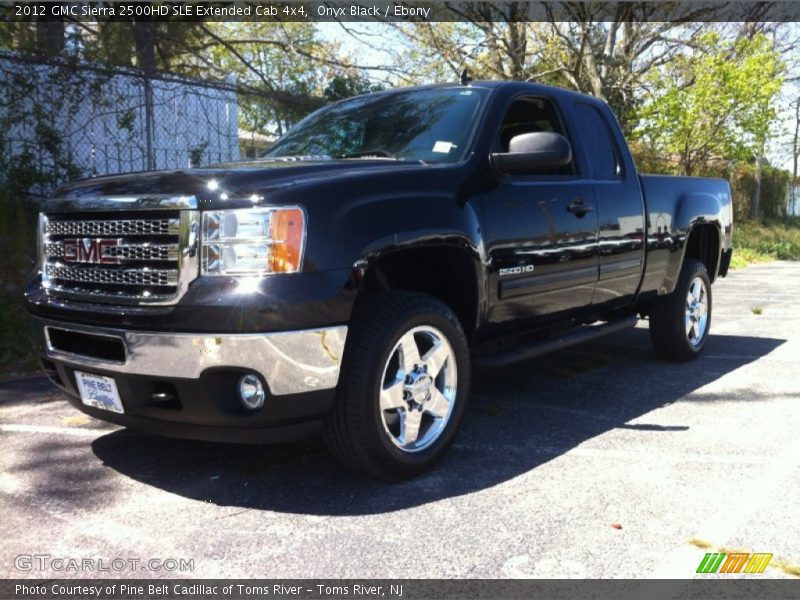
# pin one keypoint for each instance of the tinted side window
(599, 144)
(528, 115)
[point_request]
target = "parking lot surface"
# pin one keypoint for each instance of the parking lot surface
(599, 461)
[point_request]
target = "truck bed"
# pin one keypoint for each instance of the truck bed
(674, 205)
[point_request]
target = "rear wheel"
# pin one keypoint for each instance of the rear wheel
(403, 387)
(679, 322)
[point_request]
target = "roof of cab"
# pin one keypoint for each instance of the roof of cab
(493, 85)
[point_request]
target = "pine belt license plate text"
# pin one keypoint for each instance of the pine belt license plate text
(99, 391)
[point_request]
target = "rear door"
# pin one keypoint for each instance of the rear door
(541, 230)
(619, 203)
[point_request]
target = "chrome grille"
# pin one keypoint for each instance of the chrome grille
(114, 227)
(142, 277)
(119, 257)
(145, 252)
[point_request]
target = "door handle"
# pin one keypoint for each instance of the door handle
(578, 207)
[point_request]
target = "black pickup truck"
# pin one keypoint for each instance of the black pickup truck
(344, 282)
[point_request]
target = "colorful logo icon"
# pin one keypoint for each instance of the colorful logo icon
(735, 562)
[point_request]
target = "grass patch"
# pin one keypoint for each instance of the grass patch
(765, 241)
(788, 568)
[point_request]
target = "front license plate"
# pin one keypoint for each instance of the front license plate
(99, 391)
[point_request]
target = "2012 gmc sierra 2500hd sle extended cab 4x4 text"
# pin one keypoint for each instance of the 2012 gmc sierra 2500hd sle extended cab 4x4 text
(344, 282)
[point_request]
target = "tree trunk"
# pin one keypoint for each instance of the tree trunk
(793, 185)
(144, 33)
(50, 37)
(755, 202)
(686, 162)
(517, 49)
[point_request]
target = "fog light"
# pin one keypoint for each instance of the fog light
(251, 392)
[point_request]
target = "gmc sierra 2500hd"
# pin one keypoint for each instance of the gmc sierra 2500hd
(344, 282)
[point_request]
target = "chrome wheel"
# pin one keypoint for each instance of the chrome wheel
(696, 311)
(418, 389)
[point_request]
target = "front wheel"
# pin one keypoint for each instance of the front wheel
(679, 322)
(403, 386)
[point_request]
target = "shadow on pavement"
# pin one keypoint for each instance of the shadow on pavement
(21, 391)
(519, 418)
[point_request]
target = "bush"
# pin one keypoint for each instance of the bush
(766, 240)
(741, 176)
(774, 190)
(18, 236)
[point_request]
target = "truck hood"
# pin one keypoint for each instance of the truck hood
(222, 185)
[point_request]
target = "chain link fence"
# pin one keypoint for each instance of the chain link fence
(65, 120)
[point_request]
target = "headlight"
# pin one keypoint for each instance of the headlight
(41, 240)
(253, 241)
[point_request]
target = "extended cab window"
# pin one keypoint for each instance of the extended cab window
(600, 145)
(528, 115)
(433, 125)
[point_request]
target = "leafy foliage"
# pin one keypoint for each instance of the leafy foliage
(609, 59)
(345, 86)
(16, 235)
(715, 101)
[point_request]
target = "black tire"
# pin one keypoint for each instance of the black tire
(668, 317)
(354, 430)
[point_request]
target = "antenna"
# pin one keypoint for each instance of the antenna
(465, 78)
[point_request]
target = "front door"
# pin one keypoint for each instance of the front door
(541, 232)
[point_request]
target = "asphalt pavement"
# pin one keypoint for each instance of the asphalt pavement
(599, 461)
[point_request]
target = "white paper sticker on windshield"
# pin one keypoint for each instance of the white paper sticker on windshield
(443, 147)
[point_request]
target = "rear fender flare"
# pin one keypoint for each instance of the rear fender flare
(694, 210)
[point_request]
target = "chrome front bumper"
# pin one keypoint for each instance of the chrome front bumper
(290, 362)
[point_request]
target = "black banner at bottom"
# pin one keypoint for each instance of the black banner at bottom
(406, 589)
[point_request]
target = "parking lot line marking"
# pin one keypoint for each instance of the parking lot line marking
(76, 431)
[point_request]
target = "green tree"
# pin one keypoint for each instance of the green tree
(282, 69)
(347, 85)
(715, 101)
(588, 47)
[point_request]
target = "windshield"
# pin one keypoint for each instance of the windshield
(432, 125)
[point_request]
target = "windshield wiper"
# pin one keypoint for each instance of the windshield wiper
(297, 157)
(370, 154)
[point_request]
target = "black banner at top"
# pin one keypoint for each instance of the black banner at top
(397, 11)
